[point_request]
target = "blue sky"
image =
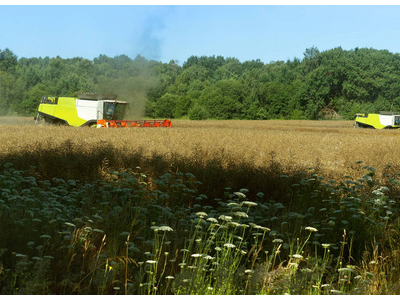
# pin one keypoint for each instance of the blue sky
(166, 32)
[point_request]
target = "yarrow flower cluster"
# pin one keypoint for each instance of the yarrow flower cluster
(201, 214)
(165, 228)
(225, 218)
(196, 255)
(312, 229)
(249, 203)
(240, 195)
(212, 220)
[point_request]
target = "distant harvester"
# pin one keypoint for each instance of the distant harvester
(384, 120)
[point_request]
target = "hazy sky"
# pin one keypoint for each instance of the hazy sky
(166, 32)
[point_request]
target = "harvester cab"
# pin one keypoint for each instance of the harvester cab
(97, 110)
(384, 120)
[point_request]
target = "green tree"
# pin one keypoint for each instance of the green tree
(198, 112)
(10, 93)
(223, 100)
(30, 103)
(8, 61)
(165, 107)
(311, 59)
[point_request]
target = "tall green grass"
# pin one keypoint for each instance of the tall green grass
(137, 231)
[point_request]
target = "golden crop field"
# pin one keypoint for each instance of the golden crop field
(330, 147)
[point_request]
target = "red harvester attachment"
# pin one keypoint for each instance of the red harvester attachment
(140, 123)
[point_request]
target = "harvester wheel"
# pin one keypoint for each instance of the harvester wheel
(48, 121)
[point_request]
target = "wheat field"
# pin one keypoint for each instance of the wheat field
(330, 147)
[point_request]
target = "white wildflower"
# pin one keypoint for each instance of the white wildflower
(21, 255)
(345, 270)
(165, 228)
(240, 195)
(201, 214)
(196, 255)
(241, 214)
(151, 261)
(212, 220)
(225, 218)
(312, 229)
(265, 228)
(236, 224)
(249, 203)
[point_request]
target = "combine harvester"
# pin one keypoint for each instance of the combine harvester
(384, 120)
(94, 110)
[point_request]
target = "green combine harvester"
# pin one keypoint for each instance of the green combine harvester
(384, 120)
(90, 109)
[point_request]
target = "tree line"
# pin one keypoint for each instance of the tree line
(335, 83)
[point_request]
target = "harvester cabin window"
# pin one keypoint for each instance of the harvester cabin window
(49, 100)
(397, 120)
(114, 111)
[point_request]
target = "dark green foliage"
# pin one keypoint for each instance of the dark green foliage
(342, 82)
(121, 231)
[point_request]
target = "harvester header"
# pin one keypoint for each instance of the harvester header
(91, 109)
(140, 123)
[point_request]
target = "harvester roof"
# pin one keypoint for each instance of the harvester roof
(95, 96)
